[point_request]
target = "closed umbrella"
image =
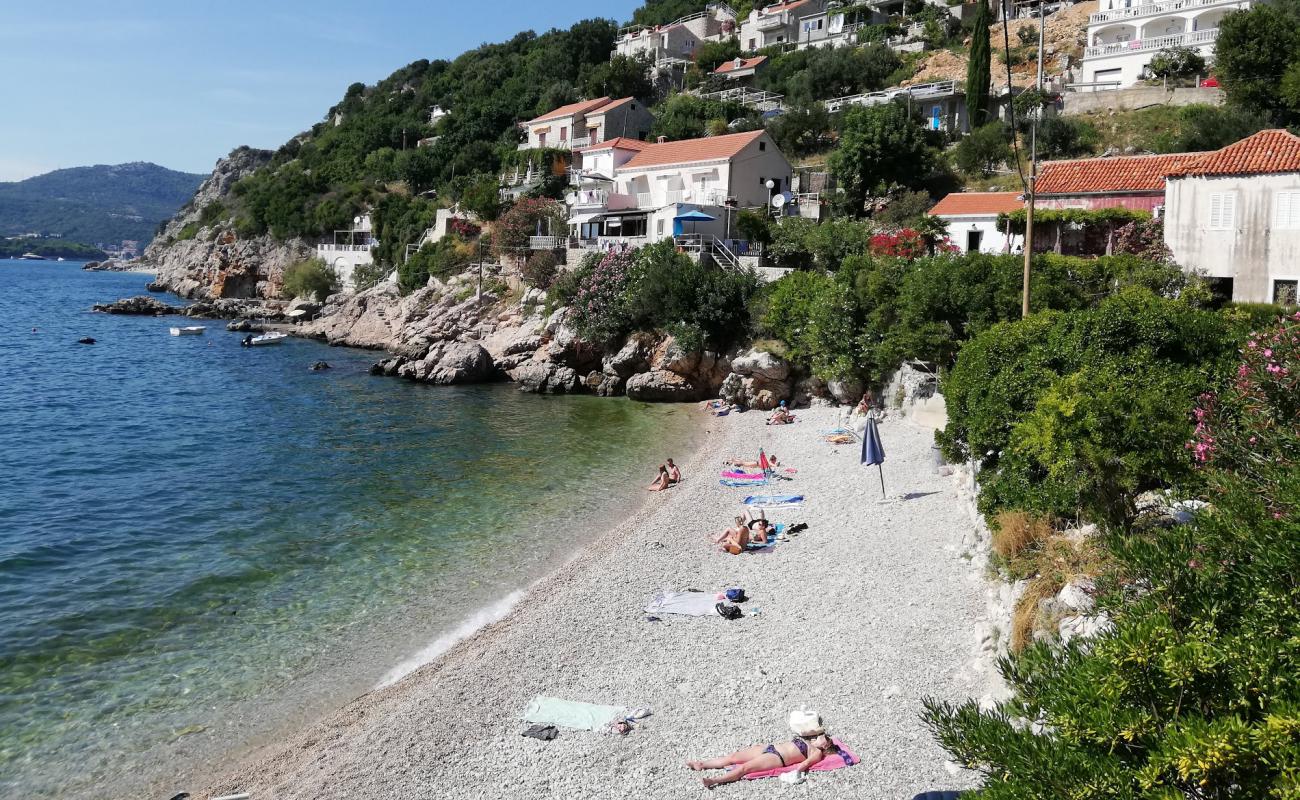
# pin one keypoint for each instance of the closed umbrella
(873, 452)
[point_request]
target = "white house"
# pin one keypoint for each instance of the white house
(972, 220)
(348, 250)
(586, 122)
(677, 40)
(740, 69)
(1234, 216)
(776, 24)
(634, 193)
(1124, 35)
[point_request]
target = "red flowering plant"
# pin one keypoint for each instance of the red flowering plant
(463, 228)
(908, 244)
(600, 304)
(1252, 428)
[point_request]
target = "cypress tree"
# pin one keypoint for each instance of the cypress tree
(978, 72)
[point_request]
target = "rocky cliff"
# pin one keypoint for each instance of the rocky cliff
(202, 257)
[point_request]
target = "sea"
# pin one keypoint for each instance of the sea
(203, 546)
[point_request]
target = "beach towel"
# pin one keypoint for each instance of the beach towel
(737, 474)
(691, 604)
(774, 500)
(754, 548)
(571, 713)
(845, 758)
(734, 482)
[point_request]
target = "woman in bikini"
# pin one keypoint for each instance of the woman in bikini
(802, 750)
(734, 539)
(661, 481)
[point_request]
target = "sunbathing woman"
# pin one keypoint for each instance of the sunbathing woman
(661, 482)
(734, 539)
(741, 462)
(781, 416)
(802, 750)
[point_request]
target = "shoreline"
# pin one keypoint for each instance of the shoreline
(579, 633)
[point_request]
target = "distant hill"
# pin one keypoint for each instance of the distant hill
(103, 203)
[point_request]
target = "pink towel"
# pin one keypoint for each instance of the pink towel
(828, 763)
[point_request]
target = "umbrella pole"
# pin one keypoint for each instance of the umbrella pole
(882, 480)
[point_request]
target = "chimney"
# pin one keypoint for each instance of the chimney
(661, 139)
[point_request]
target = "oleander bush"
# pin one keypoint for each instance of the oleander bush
(311, 278)
(541, 268)
(1192, 692)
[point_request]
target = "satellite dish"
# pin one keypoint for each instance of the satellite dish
(779, 200)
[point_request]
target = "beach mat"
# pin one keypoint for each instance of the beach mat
(691, 604)
(754, 548)
(733, 483)
(571, 713)
(773, 500)
(845, 758)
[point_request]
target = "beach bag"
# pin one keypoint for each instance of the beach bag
(736, 595)
(805, 723)
(728, 612)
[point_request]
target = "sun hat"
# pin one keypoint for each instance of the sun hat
(805, 723)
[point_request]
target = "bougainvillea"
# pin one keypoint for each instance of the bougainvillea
(907, 243)
(463, 228)
(530, 216)
(600, 304)
(1144, 238)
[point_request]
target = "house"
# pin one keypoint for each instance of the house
(662, 45)
(1234, 215)
(777, 24)
(349, 249)
(741, 69)
(1123, 35)
(835, 25)
(972, 220)
(634, 193)
(942, 103)
(579, 124)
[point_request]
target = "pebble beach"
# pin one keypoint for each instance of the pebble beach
(873, 607)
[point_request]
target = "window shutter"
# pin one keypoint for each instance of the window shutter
(1230, 210)
(1286, 216)
(1216, 211)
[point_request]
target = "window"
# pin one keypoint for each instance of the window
(659, 227)
(1223, 211)
(564, 134)
(753, 45)
(1284, 292)
(1286, 211)
(762, 146)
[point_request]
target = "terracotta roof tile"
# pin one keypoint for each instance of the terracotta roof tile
(978, 203)
(617, 143)
(1265, 152)
(572, 108)
(709, 148)
(610, 106)
(777, 8)
(745, 63)
(1118, 174)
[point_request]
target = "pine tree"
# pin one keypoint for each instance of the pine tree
(978, 72)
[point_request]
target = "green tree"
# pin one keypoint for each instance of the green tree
(483, 197)
(880, 147)
(979, 69)
(620, 76)
(685, 116)
(311, 278)
(1254, 51)
(1176, 62)
(984, 150)
(711, 55)
(800, 130)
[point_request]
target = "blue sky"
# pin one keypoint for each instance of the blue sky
(181, 83)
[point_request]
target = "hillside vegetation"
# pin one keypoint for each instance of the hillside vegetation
(94, 205)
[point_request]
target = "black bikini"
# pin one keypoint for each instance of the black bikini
(799, 743)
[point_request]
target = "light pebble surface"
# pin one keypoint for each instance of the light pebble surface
(869, 610)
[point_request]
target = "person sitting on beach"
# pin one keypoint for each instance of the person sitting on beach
(674, 474)
(734, 540)
(864, 405)
(805, 751)
(761, 531)
(661, 481)
(781, 416)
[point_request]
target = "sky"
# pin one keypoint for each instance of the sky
(181, 83)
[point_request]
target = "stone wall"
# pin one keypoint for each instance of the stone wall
(1136, 97)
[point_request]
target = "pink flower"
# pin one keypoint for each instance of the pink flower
(1268, 352)
(1252, 440)
(1252, 344)
(1277, 515)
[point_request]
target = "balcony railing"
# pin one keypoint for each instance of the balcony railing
(643, 200)
(579, 141)
(590, 198)
(920, 91)
(1153, 9)
(547, 242)
(768, 23)
(344, 248)
(1146, 45)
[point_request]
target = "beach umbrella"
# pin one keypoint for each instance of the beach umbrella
(873, 452)
(693, 216)
(764, 465)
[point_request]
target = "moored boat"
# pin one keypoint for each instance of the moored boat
(189, 330)
(271, 337)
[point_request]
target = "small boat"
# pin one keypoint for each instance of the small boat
(189, 330)
(272, 337)
(33, 257)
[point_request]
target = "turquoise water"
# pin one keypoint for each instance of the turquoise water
(203, 545)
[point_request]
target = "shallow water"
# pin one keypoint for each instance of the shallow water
(202, 545)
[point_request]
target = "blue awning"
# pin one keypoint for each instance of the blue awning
(694, 215)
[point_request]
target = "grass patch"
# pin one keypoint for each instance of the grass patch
(1017, 532)
(776, 347)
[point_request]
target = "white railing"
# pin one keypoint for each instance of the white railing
(344, 248)
(768, 23)
(579, 141)
(920, 91)
(547, 242)
(1152, 9)
(589, 198)
(1157, 43)
(673, 196)
(643, 200)
(750, 98)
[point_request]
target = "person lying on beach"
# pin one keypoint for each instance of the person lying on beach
(761, 531)
(803, 750)
(661, 482)
(674, 474)
(737, 461)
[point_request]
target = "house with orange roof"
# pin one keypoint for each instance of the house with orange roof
(633, 193)
(972, 220)
(587, 121)
(777, 24)
(1233, 215)
(676, 41)
(740, 69)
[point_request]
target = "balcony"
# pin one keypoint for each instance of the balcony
(1154, 9)
(770, 23)
(588, 199)
(1158, 43)
(578, 141)
(547, 242)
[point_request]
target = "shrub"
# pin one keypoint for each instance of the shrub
(1062, 137)
(984, 150)
(365, 276)
(528, 217)
(1144, 239)
(1192, 691)
(310, 278)
(816, 315)
(439, 259)
(1014, 532)
(906, 244)
(698, 302)
(540, 269)
(600, 311)
(905, 208)
(1176, 62)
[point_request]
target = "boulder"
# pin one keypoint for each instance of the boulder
(449, 363)
(154, 286)
(661, 386)
(847, 391)
(140, 304)
(388, 367)
(630, 359)
(761, 364)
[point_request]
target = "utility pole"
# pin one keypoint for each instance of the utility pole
(1033, 168)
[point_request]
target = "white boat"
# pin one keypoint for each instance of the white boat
(189, 330)
(271, 337)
